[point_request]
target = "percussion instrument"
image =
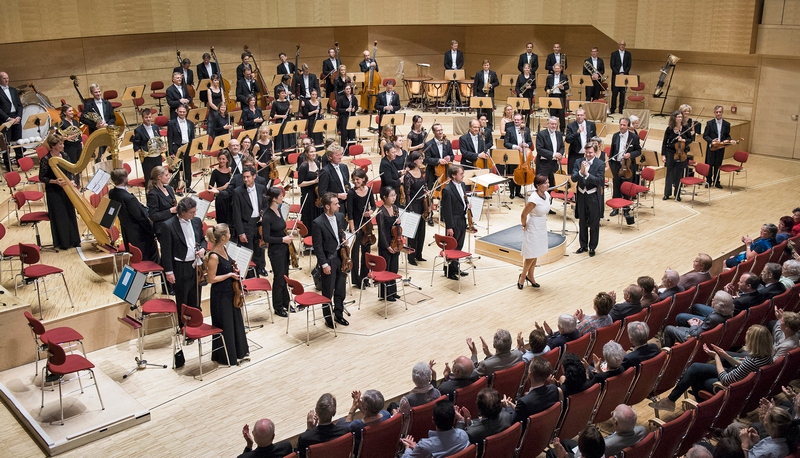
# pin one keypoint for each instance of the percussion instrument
(423, 70)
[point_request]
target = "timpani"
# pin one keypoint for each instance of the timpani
(415, 89)
(435, 91)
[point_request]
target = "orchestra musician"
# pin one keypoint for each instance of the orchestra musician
(483, 86)
(417, 135)
(530, 58)
(274, 233)
(246, 87)
(141, 136)
(438, 151)
(341, 81)
(388, 101)
(214, 96)
(330, 65)
(368, 62)
(454, 208)
(204, 71)
(453, 58)
(594, 91)
(161, 201)
(308, 173)
(279, 114)
(588, 175)
(177, 94)
(472, 144)
(134, 221)
(326, 234)
(555, 57)
(717, 129)
(413, 181)
(518, 138)
(313, 111)
(390, 176)
(675, 167)
(262, 151)
(346, 106)
(334, 177)
(400, 155)
(306, 82)
(219, 183)
(360, 204)
(579, 133)
(247, 205)
(285, 67)
(73, 144)
(388, 217)
(620, 65)
(180, 131)
(219, 122)
(557, 86)
(549, 150)
(527, 77)
(103, 109)
(11, 109)
(285, 85)
(64, 221)
(188, 74)
(506, 121)
(486, 131)
(244, 65)
(252, 116)
(624, 145)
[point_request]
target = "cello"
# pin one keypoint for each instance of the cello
(524, 175)
(372, 83)
(261, 99)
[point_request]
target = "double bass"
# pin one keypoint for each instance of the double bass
(372, 83)
(332, 78)
(486, 163)
(261, 99)
(189, 88)
(226, 85)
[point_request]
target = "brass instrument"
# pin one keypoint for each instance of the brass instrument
(587, 64)
(70, 131)
(662, 78)
(525, 87)
(174, 162)
(93, 116)
(560, 85)
(487, 87)
(156, 146)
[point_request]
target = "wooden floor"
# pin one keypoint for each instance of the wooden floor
(285, 377)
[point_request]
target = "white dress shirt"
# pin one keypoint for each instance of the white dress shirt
(188, 234)
(621, 61)
(453, 56)
(8, 94)
(251, 193)
(184, 131)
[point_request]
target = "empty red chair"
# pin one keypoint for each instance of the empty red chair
(157, 94)
(671, 433)
(741, 157)
(502, 444)
(195, 329)
(147, 267)
(703, 170)
(56, 336)
(539, 430)
(307, 300)
(60, 364)
(448, 253)
(29, 254)
(379, 274)
(380, 440)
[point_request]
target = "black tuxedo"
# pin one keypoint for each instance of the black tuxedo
(521, 80)
(551, 60)
(381, 104)
(468, 152)
(342, 104)
(244, 223)
(573, 137)
(135, 223)
(714, 158)
(635, 151)
(549, 85)
(744, 301)
(523, 59)
(478, 90)
(432, 157)
(328, 68)
(595, 89)
(448, 60)
(140, 139)
(329, 182)
(174, 248)
(202, 74)
(188, 75)
(281, 68)
(313, 83)
(510, 141)
(174, 97)
(364, 65)
(174, 142)
(90, 106)
(243, 91)
(14, 132)
(589, 201)
(454, 210)
(276, 450)
(545, 150)
(240, 70)
(326, 249)
(616, 64)
(390, 176)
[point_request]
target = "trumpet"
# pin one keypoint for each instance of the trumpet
(590, 68)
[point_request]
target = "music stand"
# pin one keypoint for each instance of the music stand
(508, 79)
(487, 180)
(236, 117)
(506, 157)
(519, 103)
(37, 121)
(580, 81)
(323, 126)
(276, 80)
(127, 139)
(550, 103)
(197, 115)
(131, 93)
(355, 122)
(453, 76)
(574, 105)
(393, 119)
(251, 133)
(296, 127)
(220, 142)
(625, 81)
(294, 106)
(203, 85)
(275, 129)
(481, 103)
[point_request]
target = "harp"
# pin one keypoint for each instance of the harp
(102, 137)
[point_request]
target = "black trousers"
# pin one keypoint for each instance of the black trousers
(617, 93)
(392, 265)
(251, 231)
(358, 255)
(459, 233)
(588, 211)
(13, 134)
(334, 287)
(593, 92)
(615, 166)
(418, 242)
(714, 159)
(672, 183)
(186, 166)
(279, 259)
(562, 123)
(185, 286)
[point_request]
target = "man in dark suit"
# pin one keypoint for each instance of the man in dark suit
(335, 178)
(453, 58)
(368, 62)
(588, 175)
(204, 71)
(620, 65)
(247, 205)
(454, 214)
(549, 150)
(326, 232)
(525, 87)
(579, 132)
(542, 394)
(306, 82)
(720, 130)
(180, 131)
(631, 304)
(638, 332)
(472, 145)
(388, 101)
(177, 94)
(530, 58)
(188, 74)
(770, 276)
(320, 425)
(244, 65)
(264, 435)
(141, 136)
(182, 243)
(593, 92)
(483, 86)
(745, 294)
(10, 110)
(285, 67)
(624, 145)
(438, 151)
(104, 111)
(518, 138)
(133, 218)
(245, 88)
(557, 85)
(461, 376)
(555, 57)
(330, 65)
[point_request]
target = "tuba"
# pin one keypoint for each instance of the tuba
(587, 64)
(662, 78)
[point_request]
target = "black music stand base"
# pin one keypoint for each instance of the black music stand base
(142, 364)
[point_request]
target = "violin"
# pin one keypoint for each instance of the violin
(426, 206)
(238, 292)
(680, 151)
(368, 233)
(347, 263)
(523, 175)
(626, 172)
(273, 171)
(397, 234)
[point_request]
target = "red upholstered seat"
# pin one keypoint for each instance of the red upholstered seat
(34, 217)
(307, 300)
(61, 364)
(159, 306)
(257, 284)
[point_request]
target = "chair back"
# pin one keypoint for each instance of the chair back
(469, 452)
(777, 252)
(735, 399)
(12, 179)
(206, 195)
(704, 417)
(683, 303)
(579, 411)
(790, 366)
(502, 444)
(702, 169)
(57, 355)
(192, 317)
(380, 440)
(658, 314)
(25, 163)
(421, 420)
(355, 149)
(467, 396)
(741, 157)
(649, 370)
(3, 233)
(375, 263)
(760, 261)
(648, 173)
(638, 88)
(710, 337)
(641, 449)
(110, 94)
(29, 254)
(41, 151)
(444, 242)
(780, 301)
(295, 287)
(678, 355)
(20, 199)
(456, 144)
(733, 326)
(579, 346)
(603, 335)
(724, 277)
(705, 290)
(767, 375)
(538, 431)
(624, 339)
(292, 158)
(375, 186)
(628, 188)
(36, 326)
(161, 121)
(341, 447)
(507, 381)
(672, 433)
(643, 137)
(136, 253)
(615, 392)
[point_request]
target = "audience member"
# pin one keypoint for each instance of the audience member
(463, 374)
(537, 341)
(785, 332)
(796, 218)
(770, 276)
(670, 282)
(727, 447)
(264, 434)
(790, 273)
(503, 358)
(693, 325)
(542, 394)
(574, 379)
(602, 306)
(777, 423)
(611, 365)
(745, 293)
(567, 331)
(319, 423)
(752, 247)
(632, 304)
(423, 391)
(371, 406)
(699, 272)
(649, 294)
(626, 431)
(444, 441)
(492, 418)
(698, 451)
(784, 229)
(590, 445)
(638, 332)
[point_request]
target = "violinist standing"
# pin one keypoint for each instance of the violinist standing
(360, 203)
(274, 234)
(454, 214)
(326, 233)
(387, 219)
(624, 146)
(413, 180)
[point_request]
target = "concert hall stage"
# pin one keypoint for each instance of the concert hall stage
(506, 245)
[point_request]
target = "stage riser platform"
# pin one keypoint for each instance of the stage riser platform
(506, 245)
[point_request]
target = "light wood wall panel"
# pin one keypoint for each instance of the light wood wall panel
(774, 131)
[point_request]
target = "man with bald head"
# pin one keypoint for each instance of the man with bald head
(699, 272)
(264, 434)
(626, 431)
(461, 375)
(10, 111)
(670, 282)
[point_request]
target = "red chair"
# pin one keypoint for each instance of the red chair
(603, 335)
(195, 329)
(111, 95)
(11, 252)
(161, 121)
(578, 412)
(741, 157)
(507, 381)
(456, 144)
(469, 452)
(672, 433)
(539, 430)
(755, 315)
(780, 301)
(703, 418)
(648, 174)
(710, 337)
(615, 392)
(635, 191)
(468, 395)
(341, 447)
(618, 203)
(735, 398)
(790, 366)
(29, 254)
(673, 369)
(380, 440)
(25, 165)
(149, 268)
(641, 449)
(649, 371)
(705, 291)
(448, 253)
(682, 304)
(12, 180)
(379, 274)
(420, 420)
(257, 285)
(157, 94)
(777, 252)
(355, 151)
(306, 300)
(733, 326)
(55, 336)
(723, 278)
(60, 364)
(744, 266)
(703, 170)
(760, 260)
(580, 346)
(623, 339)
(502, 444)
(657, 317)
(636, 98)
(767, 375)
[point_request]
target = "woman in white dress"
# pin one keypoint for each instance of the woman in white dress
(534, 226)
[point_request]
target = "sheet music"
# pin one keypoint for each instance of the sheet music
(477, 207)
(241, 255)
(99, 180)
(409, 221)
(284, 209)
(202, 207)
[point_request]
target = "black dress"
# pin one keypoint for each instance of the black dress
(312, 119)
(249, 117)
(356, 206)
(416, 139)
(216, 98)
(264, 154)
(274, 229)
(282, 142)
(227, 317)
(675, 169)
(412, 186)
(308, 194)
(385, 223)
(72, 149)
(63, 220)
(216, 123)
(342, 104)
(158, 204)
(222, 202)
